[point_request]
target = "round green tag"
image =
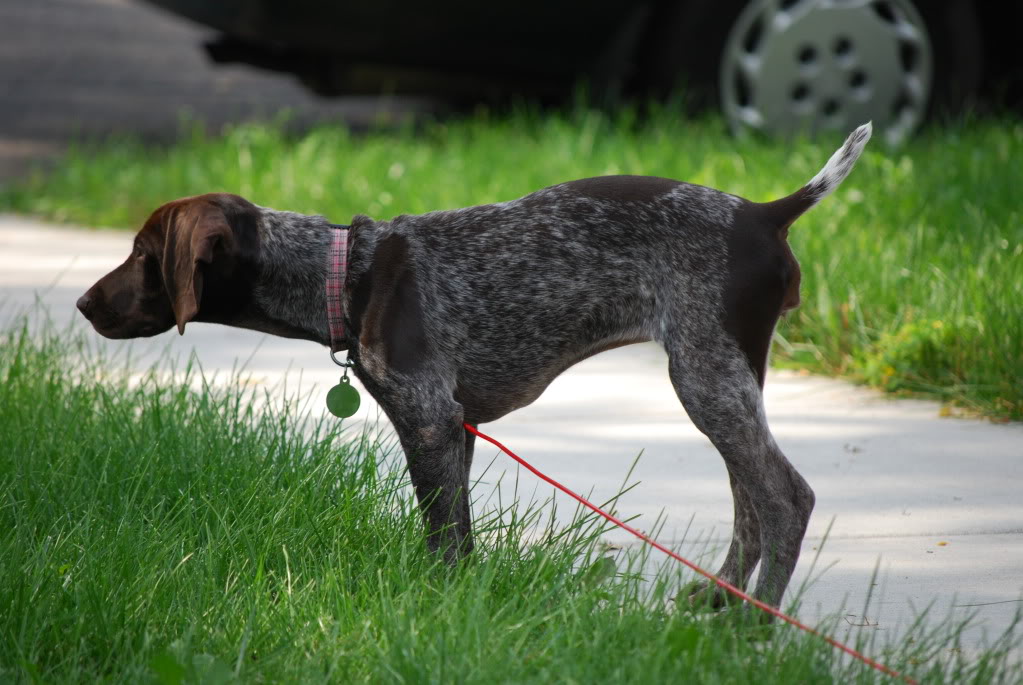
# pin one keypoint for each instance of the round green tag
(343, 400)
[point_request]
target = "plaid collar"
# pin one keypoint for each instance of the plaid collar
(337, 269)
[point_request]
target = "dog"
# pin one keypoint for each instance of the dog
(465, 315)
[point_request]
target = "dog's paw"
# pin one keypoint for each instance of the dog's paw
(702, 595)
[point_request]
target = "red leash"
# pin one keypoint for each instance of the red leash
(720, 583)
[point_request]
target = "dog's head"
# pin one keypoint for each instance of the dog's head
(161, 284)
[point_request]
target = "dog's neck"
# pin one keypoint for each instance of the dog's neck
(288, 293)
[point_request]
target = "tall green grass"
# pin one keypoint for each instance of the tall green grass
(155, 530)
(913, 270)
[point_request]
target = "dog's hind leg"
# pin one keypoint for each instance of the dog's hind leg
(743, 552)
(721, 393)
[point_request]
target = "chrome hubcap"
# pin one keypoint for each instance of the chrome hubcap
(806, 65)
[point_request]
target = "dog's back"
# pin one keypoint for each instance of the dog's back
(546, 280)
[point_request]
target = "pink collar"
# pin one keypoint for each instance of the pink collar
(337, 269)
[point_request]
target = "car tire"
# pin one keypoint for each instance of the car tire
(680, 56)
(686, 55)
(957, 50)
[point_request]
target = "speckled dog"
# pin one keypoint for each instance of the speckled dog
(468, 314)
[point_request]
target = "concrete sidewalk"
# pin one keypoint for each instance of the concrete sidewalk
(935, 501)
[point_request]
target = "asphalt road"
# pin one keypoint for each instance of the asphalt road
(85, 68)
(933, 502)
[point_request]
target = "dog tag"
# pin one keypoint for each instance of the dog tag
(343, 400)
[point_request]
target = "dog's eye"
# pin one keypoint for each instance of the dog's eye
(137, 253)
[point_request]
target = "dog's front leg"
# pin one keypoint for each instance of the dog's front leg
(435, 449)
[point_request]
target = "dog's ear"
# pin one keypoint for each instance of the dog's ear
(195, 232)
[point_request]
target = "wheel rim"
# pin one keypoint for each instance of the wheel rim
(794, 66)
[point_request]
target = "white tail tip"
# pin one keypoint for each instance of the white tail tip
(840, 164)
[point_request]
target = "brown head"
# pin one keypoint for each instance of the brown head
(185, 247)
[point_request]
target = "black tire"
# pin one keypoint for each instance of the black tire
(682, 52)
(957, 54)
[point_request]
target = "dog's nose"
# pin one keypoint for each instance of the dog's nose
(84, 304)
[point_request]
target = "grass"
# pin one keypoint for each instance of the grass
(913, 271)
(155, 530)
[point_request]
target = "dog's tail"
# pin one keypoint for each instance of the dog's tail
(788, 209)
